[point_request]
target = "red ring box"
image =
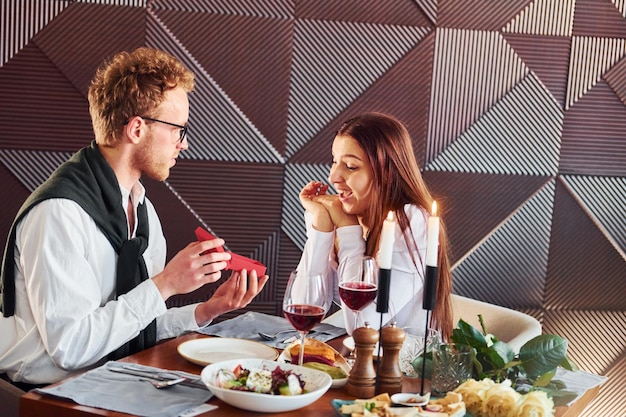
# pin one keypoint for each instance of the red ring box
(237, 262)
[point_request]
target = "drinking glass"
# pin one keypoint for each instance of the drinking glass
(452, 365)
(412, 351)
(305, 303)
(358, 284)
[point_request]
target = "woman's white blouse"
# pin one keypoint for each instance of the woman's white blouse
(407, 278)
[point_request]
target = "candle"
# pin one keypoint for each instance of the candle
(387, 239)
(433, 237)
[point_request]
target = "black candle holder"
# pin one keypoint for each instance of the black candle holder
(428, 304)
(382, 306)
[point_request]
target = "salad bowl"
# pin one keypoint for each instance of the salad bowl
(316, 384)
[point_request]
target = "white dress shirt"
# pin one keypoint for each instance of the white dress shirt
(407, 279)
(66, 318)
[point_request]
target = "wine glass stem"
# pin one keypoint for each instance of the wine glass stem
(301, 356)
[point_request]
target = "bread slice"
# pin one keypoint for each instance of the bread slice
(451, 405)
(313, 347)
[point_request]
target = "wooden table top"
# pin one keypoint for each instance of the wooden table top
(165, 355)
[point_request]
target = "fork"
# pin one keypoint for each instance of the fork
(164, 384)
(274, 336)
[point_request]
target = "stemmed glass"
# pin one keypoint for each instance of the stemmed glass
(358, 284)
(305, 303)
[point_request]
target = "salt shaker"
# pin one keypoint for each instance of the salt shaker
(389, 372)
(362, 379)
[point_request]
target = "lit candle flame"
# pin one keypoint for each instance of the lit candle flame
(434, 209)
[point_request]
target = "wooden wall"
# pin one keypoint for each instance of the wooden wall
(517, 110)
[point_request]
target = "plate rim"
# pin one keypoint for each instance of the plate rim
(404, 403)
(201, 362)
(336, 383)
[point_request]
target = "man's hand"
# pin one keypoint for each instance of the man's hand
(235, 293)
(191, 268)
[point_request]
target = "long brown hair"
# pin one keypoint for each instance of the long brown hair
(397, 181)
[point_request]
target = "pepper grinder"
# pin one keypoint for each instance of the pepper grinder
(389, 372)
(362, 378)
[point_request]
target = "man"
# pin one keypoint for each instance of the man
(84, 278)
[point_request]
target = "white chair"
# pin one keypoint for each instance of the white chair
(508, 325)
(9, 399)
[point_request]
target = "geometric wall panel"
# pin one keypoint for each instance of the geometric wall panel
(520, 134)
(38, 101)
(21, 20)
(482, 15)
(32, 168)
(296, 177)
(547, 57)
(590, 58)
(586, 271)
(544, 17)
(600, 18)
(594, 142)
(219, 130)
(586, 333)
(614, 78)
(230, 197)
(398, 12)
(398, 92)
(509, 267)
(458, 100)
(473, 206)
(62, 41)
(516, 110)
(611, 396)
(324, 67)
(598, 195)
(254, 81)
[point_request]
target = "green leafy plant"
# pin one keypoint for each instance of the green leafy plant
(533, 367)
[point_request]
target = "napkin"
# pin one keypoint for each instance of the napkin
(247, 326)
(578, 381)
(103, 388)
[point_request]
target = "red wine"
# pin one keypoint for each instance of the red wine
(357, 294)
(303, 317)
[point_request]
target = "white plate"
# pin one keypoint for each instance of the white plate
(348, 343)
(316, 384)
(285, 357)
(410, 399)
(217, 349)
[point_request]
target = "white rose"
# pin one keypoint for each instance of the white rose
(500, 400)
(535, 404)
(473, 393)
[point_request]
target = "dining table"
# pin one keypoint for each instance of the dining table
(165, 355)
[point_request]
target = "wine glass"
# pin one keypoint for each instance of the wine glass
(305, 303)
(358, 284)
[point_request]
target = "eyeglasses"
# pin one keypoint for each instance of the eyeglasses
(182, 132)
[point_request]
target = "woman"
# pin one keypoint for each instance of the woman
(374, 171)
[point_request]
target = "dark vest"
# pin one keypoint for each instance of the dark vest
(88, 179)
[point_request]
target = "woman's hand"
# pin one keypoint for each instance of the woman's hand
(309, 198)
(235, 293)
(337, 215)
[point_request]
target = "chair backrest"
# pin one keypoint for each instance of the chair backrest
(9, 399)
(508, 325)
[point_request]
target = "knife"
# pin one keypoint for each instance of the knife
(159, 376)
